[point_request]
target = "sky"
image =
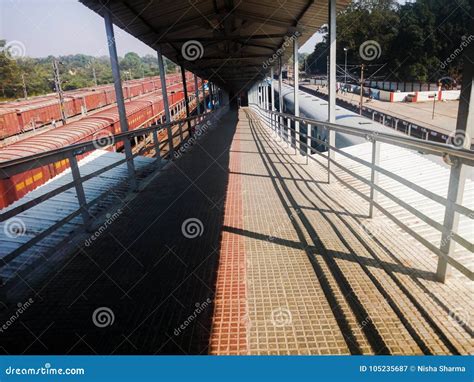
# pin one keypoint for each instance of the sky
(62, 27)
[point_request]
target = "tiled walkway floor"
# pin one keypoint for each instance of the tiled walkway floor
(240, 247)
(316, 281)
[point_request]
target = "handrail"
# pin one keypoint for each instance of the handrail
(16, 166)
(467, 156)
(458, 157)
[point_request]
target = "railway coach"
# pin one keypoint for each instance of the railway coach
(98, 127)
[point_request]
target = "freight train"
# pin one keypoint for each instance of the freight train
(140, 112)
(21, 116)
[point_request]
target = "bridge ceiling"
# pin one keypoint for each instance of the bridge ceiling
(229, 42)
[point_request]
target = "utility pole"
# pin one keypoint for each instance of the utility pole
(345, 66)
(25, 93)
(434, 99)
(95, 77)
(361, 87)
(59, 90)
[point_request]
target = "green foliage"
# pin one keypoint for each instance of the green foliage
(415, 38)
(76, 72)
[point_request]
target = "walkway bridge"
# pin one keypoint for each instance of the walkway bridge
(237, 236)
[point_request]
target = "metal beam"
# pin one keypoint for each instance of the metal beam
(204, 96)
(109, 29)
(457, 177)
(164, 93)
(196, 90)
(332, 81)
(296, 72)
(223, 38)
(186, 99)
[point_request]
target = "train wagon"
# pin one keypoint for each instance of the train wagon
(8, 122)
(140, 113)
(42, 110)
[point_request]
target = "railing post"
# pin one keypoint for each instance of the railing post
(156, 140)
(81, 196)
(457, 178)
(374, 175)
(309, 141)
(288, 133)
(164, 93)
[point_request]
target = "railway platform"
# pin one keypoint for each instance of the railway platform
(241, 246)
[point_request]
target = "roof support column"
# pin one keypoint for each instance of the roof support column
(457, 177)
(211, 85)
(332, 82)
(296, 69)
(109, 29)
(204, 95)
(196, 89)
(272, 88)
(280, 94)
(186, 100)
(164, 93)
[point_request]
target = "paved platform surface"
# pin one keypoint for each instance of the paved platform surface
(240, 247)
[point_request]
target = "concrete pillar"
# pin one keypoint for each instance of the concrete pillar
(109, 29)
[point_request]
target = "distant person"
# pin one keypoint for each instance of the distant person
(53, 123)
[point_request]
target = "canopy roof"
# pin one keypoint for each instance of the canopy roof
(231, 43)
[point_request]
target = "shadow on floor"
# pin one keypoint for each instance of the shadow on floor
(145, 285)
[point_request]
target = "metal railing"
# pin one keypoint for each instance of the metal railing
(17, 166)
(281, 124)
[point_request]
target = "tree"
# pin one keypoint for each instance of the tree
(414, 39)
